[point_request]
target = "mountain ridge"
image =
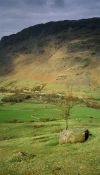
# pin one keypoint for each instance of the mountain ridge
(51, 22)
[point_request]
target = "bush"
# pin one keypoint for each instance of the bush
(39, 88)
(16, 98)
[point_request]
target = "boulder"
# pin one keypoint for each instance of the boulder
(75, 135)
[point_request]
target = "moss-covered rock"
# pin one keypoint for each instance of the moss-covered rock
(74, 135)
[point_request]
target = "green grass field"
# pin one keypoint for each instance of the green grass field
(34, 129)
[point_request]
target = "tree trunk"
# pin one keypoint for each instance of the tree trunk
(66, 119)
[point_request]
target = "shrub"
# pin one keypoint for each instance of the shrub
(16, 98)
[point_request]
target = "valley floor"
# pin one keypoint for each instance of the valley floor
(33, 128)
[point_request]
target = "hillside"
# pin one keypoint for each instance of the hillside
(55, 52)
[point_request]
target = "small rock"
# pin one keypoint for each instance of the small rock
(76, 135)
(21, 154)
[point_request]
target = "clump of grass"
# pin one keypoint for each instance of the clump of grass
(4, 137)
(15, 121)
(56, 170)
(38, 125)
(22, 156)
(47, 119)
(42, 139)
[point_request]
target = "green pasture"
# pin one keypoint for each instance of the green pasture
(34, 129)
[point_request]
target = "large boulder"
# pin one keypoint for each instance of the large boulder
(75, 135)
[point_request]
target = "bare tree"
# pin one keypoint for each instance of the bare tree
(39, 88)
(69, 101)
(67, 104)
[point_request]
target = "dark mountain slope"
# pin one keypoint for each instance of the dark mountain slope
(51, 49)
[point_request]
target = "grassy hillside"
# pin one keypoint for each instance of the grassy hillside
(55, 53)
